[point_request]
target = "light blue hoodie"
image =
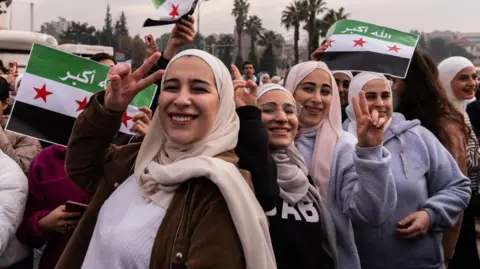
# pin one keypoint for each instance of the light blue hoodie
(426, 178)
(361, 190)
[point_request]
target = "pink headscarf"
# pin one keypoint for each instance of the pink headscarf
(328, 131)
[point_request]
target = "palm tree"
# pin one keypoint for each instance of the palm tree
(225, 45)
(292, 17)
(270, 40)
(240, 12)
(254, 28)
(331, 18)
(210, 41)
(315, 7)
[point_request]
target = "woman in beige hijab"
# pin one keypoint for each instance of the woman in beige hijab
(353, 175)
(186, 204)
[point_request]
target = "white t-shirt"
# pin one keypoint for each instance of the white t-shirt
(125, 231)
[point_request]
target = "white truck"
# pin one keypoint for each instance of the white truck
(85, 51)
(15, 46)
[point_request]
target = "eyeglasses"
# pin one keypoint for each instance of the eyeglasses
(289, 109)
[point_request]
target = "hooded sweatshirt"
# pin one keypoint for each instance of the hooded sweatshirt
(360, 186)
(426, 178)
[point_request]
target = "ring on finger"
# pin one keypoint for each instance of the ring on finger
(65, 224)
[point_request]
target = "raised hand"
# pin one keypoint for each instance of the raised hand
(317, 54)
(150, 49)
(369, 127)
(123, 85)
(243, 97)
(182, 34)
(414, 225)
(142, 121)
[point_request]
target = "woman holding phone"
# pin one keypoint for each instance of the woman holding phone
(46, 220)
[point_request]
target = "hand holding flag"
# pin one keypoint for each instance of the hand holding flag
(171, 11)
(124, 85)
(182, 34)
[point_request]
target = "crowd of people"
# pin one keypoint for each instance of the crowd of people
(319, 169)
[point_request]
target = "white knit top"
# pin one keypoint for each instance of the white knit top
(125, 231)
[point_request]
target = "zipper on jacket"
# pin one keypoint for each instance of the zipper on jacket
(179, 224)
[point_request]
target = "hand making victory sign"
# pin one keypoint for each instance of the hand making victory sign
(369, 126)
(242, 96)
(123, 85)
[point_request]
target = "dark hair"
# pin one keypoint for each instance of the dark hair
(3, 68)
(102, 56)
(248, 63)
(425, 99)
(4, 90)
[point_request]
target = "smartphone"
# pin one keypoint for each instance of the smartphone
(13, 68)
(74, 207)
(149, 39)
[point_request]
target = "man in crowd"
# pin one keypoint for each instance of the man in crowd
(249, 71)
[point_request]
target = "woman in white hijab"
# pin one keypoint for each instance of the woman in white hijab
(353, 175)
(431, 189)
(187, 204)
(460, 82)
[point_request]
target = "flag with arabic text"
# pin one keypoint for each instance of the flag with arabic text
(360, 46)
(55, 89)
(170, 11)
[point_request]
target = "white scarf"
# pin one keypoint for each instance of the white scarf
(356, 86)
(447, 70)
(161, 167)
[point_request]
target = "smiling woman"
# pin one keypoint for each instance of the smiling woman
(279, 115)
(188, 101)
(186, 189)
(431, 190)
(306, 239)
(378, 95)
(353, 176)
(459, 79)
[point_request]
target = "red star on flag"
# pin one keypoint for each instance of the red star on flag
(330, 42)
(359, 42)
(125, 119)
(393, 48)
(81, 104)
(174, 12)
(42, 93)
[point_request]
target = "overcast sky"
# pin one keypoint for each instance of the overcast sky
(426, 15)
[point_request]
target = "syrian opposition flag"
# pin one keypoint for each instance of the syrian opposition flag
(170, 11)
(55, 89)
(360, 46)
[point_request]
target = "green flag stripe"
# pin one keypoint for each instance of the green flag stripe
(345, 27)
(75, 71)
(158, 3)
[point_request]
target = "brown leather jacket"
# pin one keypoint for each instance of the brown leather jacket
(197, 231)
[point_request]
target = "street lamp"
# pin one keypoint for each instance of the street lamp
(198, 20)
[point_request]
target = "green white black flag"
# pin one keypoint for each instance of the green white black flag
(360, 46)
(55, 90)
(170, 11)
